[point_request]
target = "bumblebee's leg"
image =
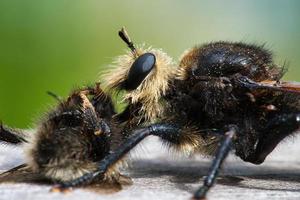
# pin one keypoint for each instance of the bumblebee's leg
(12, 136)
(12, 170)
(102, 102)
(221, 154)
(137, 136)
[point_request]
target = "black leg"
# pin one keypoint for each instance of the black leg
(278, 128)
(12, 136)
(137, 136)
(222, 153)
(12, 170)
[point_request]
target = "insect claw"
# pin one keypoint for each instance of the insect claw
(58, 188)
(98, 132)
(202, 198)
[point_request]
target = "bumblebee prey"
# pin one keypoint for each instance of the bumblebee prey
(69, 140)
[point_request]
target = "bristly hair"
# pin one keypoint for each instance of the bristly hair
(185, 58)
(255, 58)
(151, 89)
(193, 141)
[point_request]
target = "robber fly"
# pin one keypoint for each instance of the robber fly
(220, 96)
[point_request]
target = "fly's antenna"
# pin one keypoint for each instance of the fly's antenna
(125, 37)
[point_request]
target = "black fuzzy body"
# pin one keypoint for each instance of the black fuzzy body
(72, 138)
(70, 141)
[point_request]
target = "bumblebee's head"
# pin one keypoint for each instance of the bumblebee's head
(144, 74)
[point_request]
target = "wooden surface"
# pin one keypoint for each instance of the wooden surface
(159, 174)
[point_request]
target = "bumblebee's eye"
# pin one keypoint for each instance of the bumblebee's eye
(141, 67)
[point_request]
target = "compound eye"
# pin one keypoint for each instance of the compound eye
(141, 67)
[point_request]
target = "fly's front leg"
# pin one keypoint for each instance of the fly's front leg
(161, 130)
(11, 136)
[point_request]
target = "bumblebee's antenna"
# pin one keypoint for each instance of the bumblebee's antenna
(125, 37)
(55, 96)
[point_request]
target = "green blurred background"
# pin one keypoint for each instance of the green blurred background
(59, 44)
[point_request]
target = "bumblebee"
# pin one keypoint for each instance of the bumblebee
(69, 141)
